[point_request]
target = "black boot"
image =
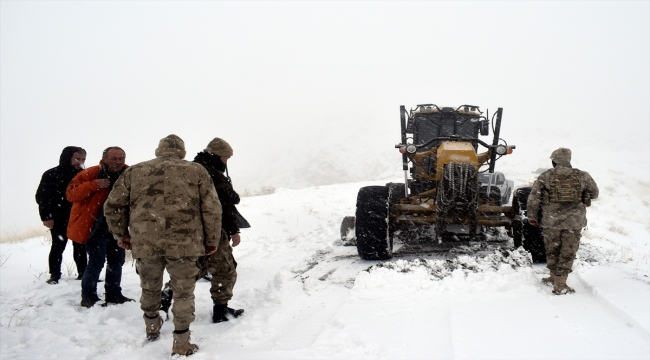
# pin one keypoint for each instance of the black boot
(117, 299)
(166, 299)
(89, 302)
(221, 312)
(53, 280)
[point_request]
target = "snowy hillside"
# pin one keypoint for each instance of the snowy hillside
(307, 296)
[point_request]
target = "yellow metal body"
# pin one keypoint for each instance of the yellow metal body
(420, 209)
(456, 152)
(448, 151)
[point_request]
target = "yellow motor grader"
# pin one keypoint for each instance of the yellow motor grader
(453, 192)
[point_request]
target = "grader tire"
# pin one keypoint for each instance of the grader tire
(534, 242)
(532, 238)
(374, 240)
(516, 229)
(396, 192)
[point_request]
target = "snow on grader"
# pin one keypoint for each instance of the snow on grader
(453, 194)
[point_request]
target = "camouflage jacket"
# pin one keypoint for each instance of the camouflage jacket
(168, 206)
(561, 215)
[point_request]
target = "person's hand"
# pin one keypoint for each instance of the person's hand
(209, 250)
(124, 243)
(533, 222)
(103, 183)
(235, 240)
(48, 223)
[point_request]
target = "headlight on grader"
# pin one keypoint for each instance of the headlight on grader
(411, 149)
(501, 149)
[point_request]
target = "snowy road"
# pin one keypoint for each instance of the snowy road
(307, 296)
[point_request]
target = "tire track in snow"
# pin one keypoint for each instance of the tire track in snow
(292, 297)
(584, 311)
(611, 307)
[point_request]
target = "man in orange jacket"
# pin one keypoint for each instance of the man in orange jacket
(87, 191)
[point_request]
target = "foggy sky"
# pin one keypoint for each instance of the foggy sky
(291, 84)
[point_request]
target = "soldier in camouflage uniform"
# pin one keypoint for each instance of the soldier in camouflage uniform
(167, 212)
(564, 194)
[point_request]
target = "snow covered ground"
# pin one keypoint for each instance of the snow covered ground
(307, 296)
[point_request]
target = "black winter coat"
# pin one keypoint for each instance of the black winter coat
(226, 193)
(50, 195)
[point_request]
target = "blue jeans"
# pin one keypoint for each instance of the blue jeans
(102, 247)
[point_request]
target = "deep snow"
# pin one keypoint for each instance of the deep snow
(307, 296)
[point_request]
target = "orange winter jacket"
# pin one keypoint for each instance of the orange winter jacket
(86, 198)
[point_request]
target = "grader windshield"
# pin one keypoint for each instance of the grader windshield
(428, 122)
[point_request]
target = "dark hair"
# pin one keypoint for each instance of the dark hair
(112, 148)
(79, 150)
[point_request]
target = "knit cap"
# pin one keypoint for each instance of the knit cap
(219, 147)
(172, 144)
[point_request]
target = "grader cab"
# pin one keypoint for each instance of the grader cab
(450, 189)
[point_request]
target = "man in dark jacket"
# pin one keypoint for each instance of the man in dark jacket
(54, 209)
(222, 264)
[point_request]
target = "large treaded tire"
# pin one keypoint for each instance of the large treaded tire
(396, 192)
(374, 240)
(532, 238)
(533, 242)
(517, 233)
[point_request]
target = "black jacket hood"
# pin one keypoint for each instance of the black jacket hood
(207, 159)
(65, 160)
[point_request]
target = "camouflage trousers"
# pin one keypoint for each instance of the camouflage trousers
(183, 272)
(223, 267)
(561, 249)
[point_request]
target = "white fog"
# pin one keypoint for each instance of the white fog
(303, 87)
